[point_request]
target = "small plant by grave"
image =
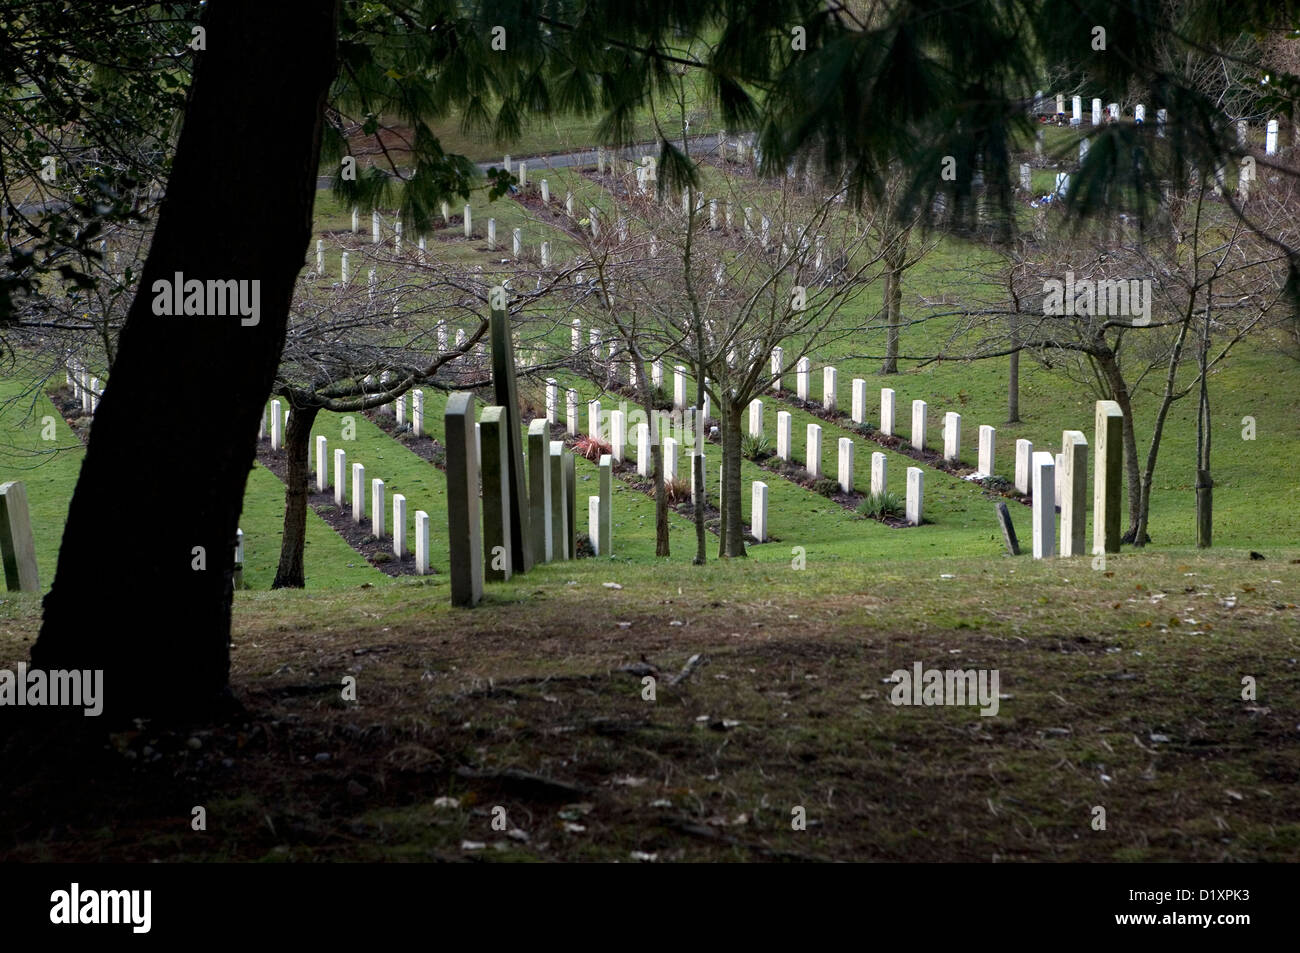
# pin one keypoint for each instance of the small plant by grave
(826, 487)
(877, 505)
(756, 448)
(592, 448)
(678, 491)
(999, 484)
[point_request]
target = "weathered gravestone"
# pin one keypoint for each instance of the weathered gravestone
(1108, 473)
(539, 496)
(559, 504)
(17, 545)
(606, 505)
(507, 396)
(570, 500)
(1043, 484)
(496, 493)
(1073, 500)
(464, 547)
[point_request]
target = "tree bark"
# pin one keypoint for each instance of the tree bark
(701, 533)
(143, 586)
(734, 536)
(297, 444)
(1013, 375)
(895, 258)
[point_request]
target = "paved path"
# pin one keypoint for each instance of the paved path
(568, 160)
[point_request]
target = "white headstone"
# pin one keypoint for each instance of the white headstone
(1024, 461)
(859, 400)
(1073, 501)
(813, 451)
(617, 434)
(679, 387)
(277, 425)
(845, 474)
(887, 411)
(643, 461)
(374, 227)
(1044, 519)
(1096, 112)
(830, 388)
(951, 436)
(417, 413)
(784, 432)
(915, 492)
(358, 492)
(987, 437)
(758, 511)
(377, 508)
(546, 192)
(517, 245)
(918, 424)
(322, 465)
(670, 458)
(802, 372)
(469, 222)
(492, 234)
(1270, 138)
(552, 400)
(422, 540)
(756, 418)
(593, 419)
(399, 525)
(340, 477)
(593, 522)
(879, 475)
(571, 411)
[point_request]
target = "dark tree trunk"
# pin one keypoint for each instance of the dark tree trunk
(895, 257)
(297, 444)
(143, 585)
(734, 537)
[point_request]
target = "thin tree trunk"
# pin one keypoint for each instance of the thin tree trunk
(297, 444)
(731, 440)
(895, 257)
(144, 582)
(893, 305)
(701, 554)
(1013, 375)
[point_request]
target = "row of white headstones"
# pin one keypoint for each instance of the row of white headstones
(279, 426)
(86, 387)
(1061, 466)
(599, 507)
(1112, 114)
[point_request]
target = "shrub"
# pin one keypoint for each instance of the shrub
(881, 504)
(678, 491)
(755, 448)
(999, 483)
(591, 448)
(583, 549)
(826, 486)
